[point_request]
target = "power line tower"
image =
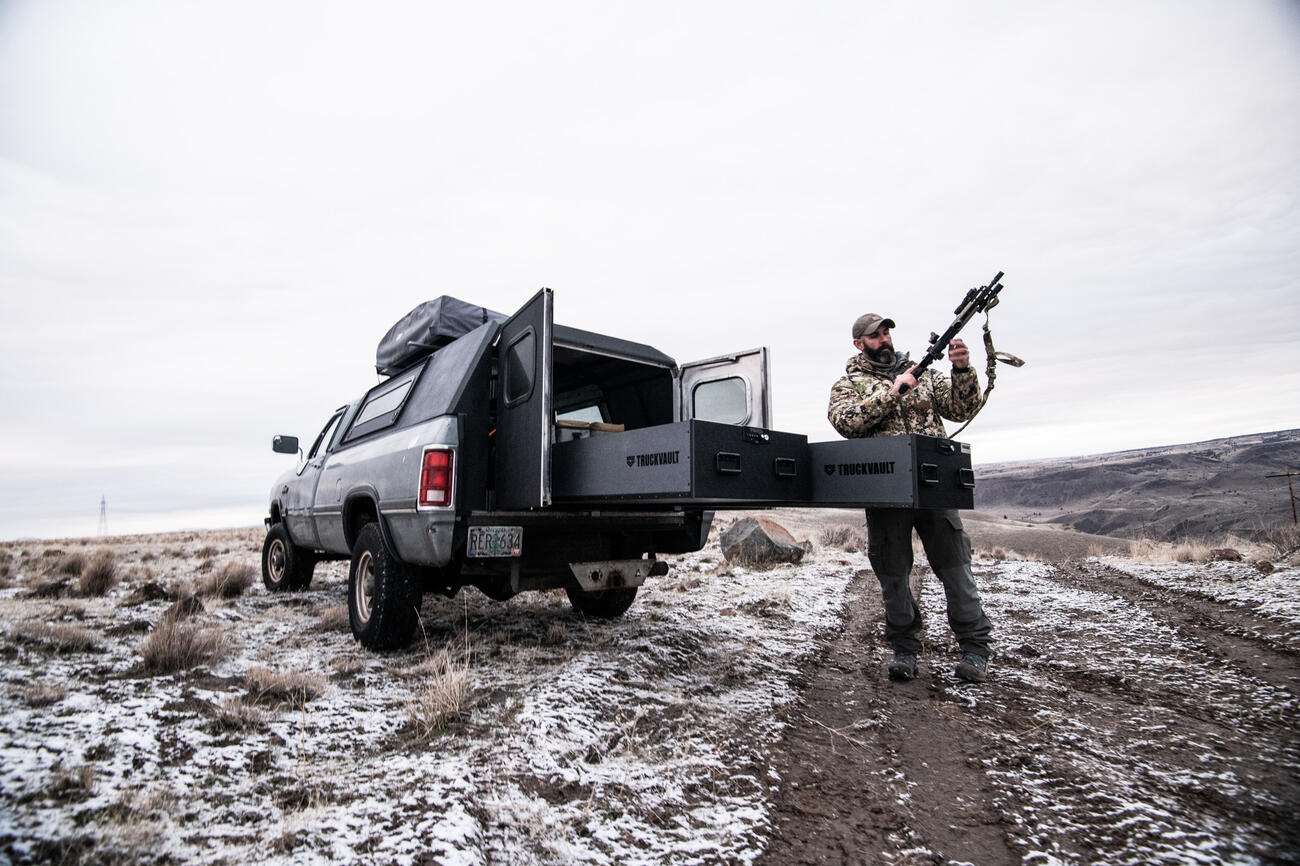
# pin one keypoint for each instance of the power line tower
(103, 515)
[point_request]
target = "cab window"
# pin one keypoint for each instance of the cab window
(322, 442)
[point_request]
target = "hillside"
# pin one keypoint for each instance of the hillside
(1200, 490)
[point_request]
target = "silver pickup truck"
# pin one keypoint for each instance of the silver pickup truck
(513, 454)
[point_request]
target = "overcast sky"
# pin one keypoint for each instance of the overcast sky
(211, 211)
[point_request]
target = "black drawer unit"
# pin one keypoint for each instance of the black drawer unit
(903, 471)
(700, 461)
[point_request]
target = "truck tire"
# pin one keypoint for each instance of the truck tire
(286, 567)
(383, 598)
(603, 604)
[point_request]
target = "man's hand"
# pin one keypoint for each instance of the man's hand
(904, 379)
(958, 354)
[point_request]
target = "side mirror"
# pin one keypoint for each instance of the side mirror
(285, 444)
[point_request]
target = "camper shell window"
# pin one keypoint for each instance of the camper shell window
(382, 405)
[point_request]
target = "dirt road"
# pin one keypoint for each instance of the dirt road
(1126, 721)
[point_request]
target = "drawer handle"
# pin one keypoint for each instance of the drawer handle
(727, 463)
(784, 467)
(930, 473)
(967, 477)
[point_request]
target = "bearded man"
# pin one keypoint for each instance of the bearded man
(869, 400)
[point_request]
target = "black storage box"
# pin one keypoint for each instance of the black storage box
(700, 461)
(910, 471)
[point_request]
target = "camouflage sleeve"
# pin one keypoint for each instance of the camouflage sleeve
(854, 414)
(958, 398)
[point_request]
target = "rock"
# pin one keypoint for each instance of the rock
(1225, 554)
(1264, 567)
(760, 542)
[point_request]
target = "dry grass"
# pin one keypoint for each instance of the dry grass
(175, 645)
(99, 575)
(187, 606)
(71, 783)
(56, 588)
(229, 581)
(70, 565)
(1283, 541)
(334, 618)
(236, 714)
(1192, 550)
(840, 537)
(57, 636)
(280, 688)
(43, 694)
(440, 698)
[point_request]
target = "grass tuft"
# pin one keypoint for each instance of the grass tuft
(71, 565)
(1284, 540)
(99, 575)
(439, 699)
(43, 694)
(334, 618)
(846, 538)
(57, 636)
(174, 645)
(235, 714)
(229, 581)
(278, 688)
(71, 783)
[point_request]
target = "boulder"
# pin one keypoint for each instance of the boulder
(760, 542)
(1225, 554)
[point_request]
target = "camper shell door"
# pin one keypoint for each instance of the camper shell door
(522, 462)
(728, 389)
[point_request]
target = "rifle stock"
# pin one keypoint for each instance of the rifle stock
(977, 300)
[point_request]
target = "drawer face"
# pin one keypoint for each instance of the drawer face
(689, 460)
(893, 471)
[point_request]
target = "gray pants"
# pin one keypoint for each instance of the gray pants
(947, 546)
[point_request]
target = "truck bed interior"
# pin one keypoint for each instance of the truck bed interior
(611, 381)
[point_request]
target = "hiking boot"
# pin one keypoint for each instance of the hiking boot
(903, 667)
(973, 668)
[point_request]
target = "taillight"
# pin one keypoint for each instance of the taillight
(435, 478)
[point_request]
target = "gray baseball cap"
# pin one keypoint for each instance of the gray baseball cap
(868, 323)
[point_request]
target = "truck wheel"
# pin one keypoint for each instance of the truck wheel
(603, 604)
(383, 598)
(285, 565)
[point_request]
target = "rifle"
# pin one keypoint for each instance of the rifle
(977, 300)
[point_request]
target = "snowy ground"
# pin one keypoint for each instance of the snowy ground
(1106, 733)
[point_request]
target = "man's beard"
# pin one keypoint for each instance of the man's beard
(883, 355)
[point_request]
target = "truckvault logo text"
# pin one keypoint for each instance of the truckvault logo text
(882, 467)
(657, 458)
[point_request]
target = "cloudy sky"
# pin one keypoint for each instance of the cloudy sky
(210, 211)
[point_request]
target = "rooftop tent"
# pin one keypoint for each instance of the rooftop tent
(427, 328)
(434, 324)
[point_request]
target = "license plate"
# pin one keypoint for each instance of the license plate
(495, 541)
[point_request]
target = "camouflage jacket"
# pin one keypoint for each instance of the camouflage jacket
(861, 405)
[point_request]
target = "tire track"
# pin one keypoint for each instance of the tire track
(878, 771)
(1253, 644)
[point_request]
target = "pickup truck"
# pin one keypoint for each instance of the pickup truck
(514, 454)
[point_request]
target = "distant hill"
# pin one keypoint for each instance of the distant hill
(1201, 490)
